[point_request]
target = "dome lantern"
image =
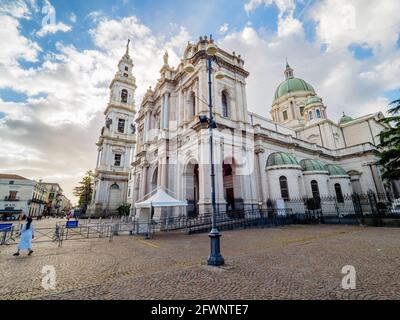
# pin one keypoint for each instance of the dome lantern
(344, 119)
(292, 84)
(288, 71)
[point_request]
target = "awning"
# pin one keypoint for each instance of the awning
(10, 211)
(160, 199)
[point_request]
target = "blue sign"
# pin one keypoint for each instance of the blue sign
(72, 224)
(5, 227)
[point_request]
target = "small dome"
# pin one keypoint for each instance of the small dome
(345, 119)
(281, 158)
(314, 99)
(335, 170)
(292, 85)
(312, 165)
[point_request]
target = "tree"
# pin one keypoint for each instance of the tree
(84, 191)
(124, 209)
(390, 143)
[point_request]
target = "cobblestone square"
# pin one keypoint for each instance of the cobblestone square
(293, 262)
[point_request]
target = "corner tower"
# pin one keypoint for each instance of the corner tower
(117, 142)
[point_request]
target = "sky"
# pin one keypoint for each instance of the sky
(58, 58)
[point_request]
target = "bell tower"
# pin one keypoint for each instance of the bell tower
(117, 142)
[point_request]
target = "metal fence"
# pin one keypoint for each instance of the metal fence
(59, 233)
(366, 209)
(357, 209)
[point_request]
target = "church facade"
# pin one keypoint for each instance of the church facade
(300, 153)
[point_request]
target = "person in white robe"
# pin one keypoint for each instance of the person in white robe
(27, 234)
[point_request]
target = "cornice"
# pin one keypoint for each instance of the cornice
(120, 107)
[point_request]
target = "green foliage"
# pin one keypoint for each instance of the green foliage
(124, 209)
(84, 191)
(390, 143)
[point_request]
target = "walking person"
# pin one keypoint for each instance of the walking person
(27, 234)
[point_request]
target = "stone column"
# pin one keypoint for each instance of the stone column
(166, 111)
(145, 127)
(143, 182)
(219, 179)
(180, 108)
(262, 181)
(164, 174)
(97, 161)
(204, 173)
(162, 112)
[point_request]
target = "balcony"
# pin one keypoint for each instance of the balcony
(8, 198)
(39, 201)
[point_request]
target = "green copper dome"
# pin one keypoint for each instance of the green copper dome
(312, 165)
(335, 170)
(292, 85)
(281, 158)
(345, 119)
(314, 99)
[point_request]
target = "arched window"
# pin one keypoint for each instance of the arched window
(284, 188)
(310, 117)
(315, 189)
(339, 194)
(114, 186)
(192, 104)
(124, 96)
(315, 193)
(224, 99)
(318, 113)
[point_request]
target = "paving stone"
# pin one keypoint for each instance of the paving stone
(292, 262)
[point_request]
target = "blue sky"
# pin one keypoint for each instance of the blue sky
(165, 18)
(54, 78)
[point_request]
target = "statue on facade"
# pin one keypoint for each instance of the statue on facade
(127, 48)
(108, 123)
(133, 128)
(166, 57)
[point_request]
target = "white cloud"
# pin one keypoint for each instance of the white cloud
(72, 17)
(283, 5)
(147, 49)
(96, 16)
(58, 129)
(287, 24)
(342, 81)
(344, 22)
(73, 92)
(224, 28)
(21, 9)
(53, 28)
(17, 46)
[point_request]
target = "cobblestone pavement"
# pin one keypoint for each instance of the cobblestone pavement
(293, 262)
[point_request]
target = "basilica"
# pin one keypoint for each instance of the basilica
(300, 153)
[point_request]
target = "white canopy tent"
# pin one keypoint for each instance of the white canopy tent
(160, 199)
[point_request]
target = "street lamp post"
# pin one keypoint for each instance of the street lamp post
(215, 258)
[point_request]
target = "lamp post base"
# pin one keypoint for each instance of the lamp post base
(215, 259)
